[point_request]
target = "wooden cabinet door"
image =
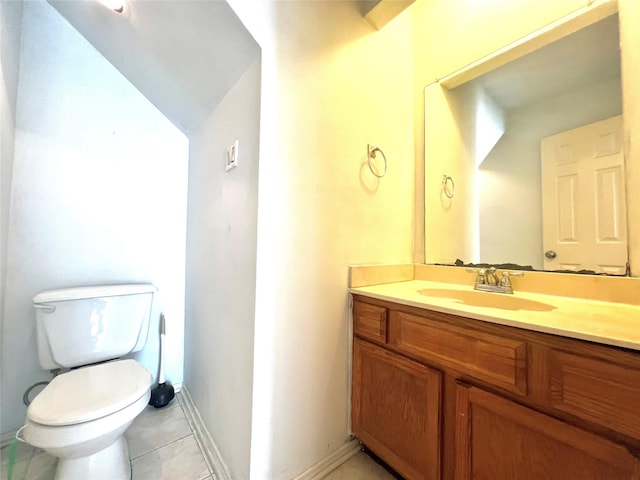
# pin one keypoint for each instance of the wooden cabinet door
(497, 439)
(396, 410)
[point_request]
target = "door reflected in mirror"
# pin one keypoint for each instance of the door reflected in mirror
(486, 134)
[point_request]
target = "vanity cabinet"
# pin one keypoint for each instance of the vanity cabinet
(439, 396)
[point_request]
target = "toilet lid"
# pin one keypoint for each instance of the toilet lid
(90, 393)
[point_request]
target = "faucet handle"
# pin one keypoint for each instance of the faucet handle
(505, 281)
(492, 276)
(481, 277)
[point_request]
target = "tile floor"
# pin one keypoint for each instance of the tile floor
(162, 446)
(360, 467)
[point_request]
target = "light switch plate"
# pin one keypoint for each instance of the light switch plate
(232, 156)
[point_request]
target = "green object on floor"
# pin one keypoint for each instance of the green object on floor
(12, 459)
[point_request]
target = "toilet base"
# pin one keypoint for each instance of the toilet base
(111, 463)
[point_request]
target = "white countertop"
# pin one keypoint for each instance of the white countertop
(614, 324)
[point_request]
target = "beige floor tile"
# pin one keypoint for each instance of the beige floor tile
(360, 467)
(19, 470)
(23, 451)
(42, 466)
(181, 459)
(156, 427)
(22, 456)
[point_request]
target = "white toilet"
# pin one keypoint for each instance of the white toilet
(81, 416)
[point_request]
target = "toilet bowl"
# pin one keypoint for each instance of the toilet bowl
(82, 415)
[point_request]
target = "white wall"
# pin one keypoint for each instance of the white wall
(99, 194)
(330, 85)
(510, 183)
(221, 270)
(10, 31)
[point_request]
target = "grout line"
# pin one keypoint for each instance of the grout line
(176, 404)
(161, 446)
(211, 475)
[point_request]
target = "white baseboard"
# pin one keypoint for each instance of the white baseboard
(202, 436)
(330, 463)
(177, 387)
(219, 468)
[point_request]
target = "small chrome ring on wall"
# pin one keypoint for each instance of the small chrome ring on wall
(448, 186)
(371, 154)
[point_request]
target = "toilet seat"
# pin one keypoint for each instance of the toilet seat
(90, 393)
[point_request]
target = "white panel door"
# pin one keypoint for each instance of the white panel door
(583, 199)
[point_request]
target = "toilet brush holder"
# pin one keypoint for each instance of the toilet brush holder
(163, 393)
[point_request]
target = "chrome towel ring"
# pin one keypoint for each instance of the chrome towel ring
(448, 186)
(371, 154)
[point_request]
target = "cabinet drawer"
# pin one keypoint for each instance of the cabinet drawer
(497, 360)
(370, 321)
(593, 389)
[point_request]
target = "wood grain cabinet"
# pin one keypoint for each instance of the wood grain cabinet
(396, 410)
(500, 439)
(439, 396)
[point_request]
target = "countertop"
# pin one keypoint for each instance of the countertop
(616, 324)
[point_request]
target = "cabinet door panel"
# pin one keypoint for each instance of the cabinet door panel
(396, 410)
(497, 439)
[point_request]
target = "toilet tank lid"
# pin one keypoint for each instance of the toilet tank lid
(95, 291)
(90, 393)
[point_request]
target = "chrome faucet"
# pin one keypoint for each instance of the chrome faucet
(492, 276)
(487, 280)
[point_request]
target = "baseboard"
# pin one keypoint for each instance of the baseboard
(331, 462)
(7, 437)
(207, 445)
(219, 468)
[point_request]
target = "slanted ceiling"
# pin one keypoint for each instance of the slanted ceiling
(380, 12)
(183, 55)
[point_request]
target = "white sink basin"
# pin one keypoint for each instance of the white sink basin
(475, 298)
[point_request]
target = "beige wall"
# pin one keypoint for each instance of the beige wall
(451, 220)
(330, 85)
(450, 34)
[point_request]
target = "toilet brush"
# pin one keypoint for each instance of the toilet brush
(163, 393)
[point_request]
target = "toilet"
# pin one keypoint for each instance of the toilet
(82, 414)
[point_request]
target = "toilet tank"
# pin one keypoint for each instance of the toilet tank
(84, 325)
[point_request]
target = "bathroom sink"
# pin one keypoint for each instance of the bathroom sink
(487, 299)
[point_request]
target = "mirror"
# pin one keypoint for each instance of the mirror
(493, 194)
